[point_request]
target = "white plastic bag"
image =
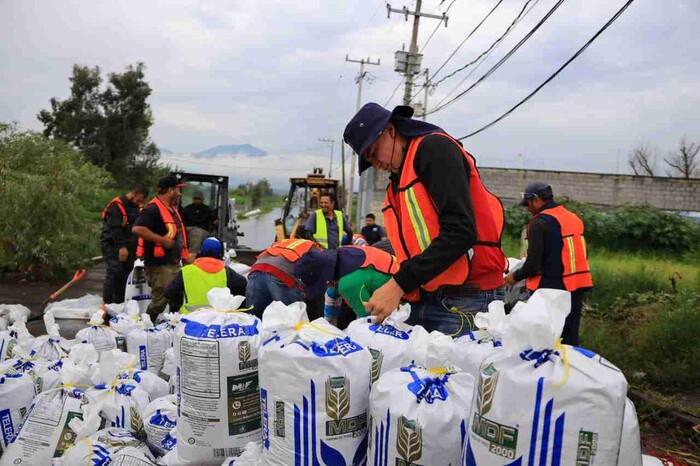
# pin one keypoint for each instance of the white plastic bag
(137, 288)
(130, 319)
(11, 312)
(471, 349)
(149, 345)
(391, 343)
(216, 351)
(631, 444)
(543, 402)
(314, 385)
(100, 336)
(169, 371)
(103, 447)
(76, 308)
(17, 392)
(51, 346)
(45, 374)
(251, 456)
(120, 404)
(418, 413)
(159, 419)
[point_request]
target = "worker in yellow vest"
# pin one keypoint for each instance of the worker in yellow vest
(188, 291)
(326, 225)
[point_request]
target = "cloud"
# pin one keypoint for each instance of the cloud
(273, 74)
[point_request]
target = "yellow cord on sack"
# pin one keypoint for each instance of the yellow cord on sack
(562, 350)
(462, 316)
(301, 325)
(439, 370)
(237, 310)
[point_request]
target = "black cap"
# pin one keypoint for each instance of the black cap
(368, 124)
(198, 195)
(170, 181)
(536, 189)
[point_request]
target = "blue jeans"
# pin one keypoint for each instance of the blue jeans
(452, 316)
(263, 288)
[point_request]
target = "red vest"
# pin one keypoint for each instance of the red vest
(291, 249)
(118, 201)
(574, 256)
(412, 223)
(382, 261)
(167, 217)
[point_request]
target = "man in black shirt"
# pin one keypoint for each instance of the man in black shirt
(118, 243)
(163, 241)
(371, 231)
(198, 214)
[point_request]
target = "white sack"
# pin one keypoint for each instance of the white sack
(120, 404)
(159, 419)
(631, 445)
(10, 312)
(252, 456)
(98, 335)
(103, 447)
(314, 385)
(149, 346)
(17, 392)
(216, 351)
(137, 288)
(51, 346)
(391, 343)
(130, 319)
(76, 308)
(541, 402)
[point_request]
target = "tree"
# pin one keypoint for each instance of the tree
(642, 160)
(685, 162)
(45, 186)
(111, 126)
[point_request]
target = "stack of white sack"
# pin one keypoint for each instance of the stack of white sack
(543, 402)
(10, 313)
(113, 446)
(314, 388)
(159, 419)
(149, 346)
(15, 335)
(168, 321)
(169, 370)
(45, 431)
(390, 343)
(17, 391)
(471, 349)
(251, 456)
(45, 374)
(631, 444)
(114, 401)
(137, 288)
(216, 352)
(130, 319)
(76, 308)
(51, 346)
(419, 413)
(100, 336)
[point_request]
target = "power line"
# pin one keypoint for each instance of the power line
(436, 27)
(561, 68)
(502, 60)
(484, 56)
(393, 93)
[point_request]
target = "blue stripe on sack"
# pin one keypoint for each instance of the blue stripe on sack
(382, 460)
(306, 431)
(558, 437)
(314, 451)
(535, 422)
(265, 419)
(8, 430)
(386, 438)
(545, 432)
(469, 457)
(297, 434)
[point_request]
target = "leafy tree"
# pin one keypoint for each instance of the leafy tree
(44, 186)
(110, 126)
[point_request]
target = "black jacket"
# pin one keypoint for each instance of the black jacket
(114, 233)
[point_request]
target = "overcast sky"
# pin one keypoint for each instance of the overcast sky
(273, 73)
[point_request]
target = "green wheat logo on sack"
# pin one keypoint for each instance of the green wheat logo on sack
(409, 442)
(338, 406)
(244, 355)
(502, 439)
(377, 359)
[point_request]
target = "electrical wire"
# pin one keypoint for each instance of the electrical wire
(438, 25)
(554, 75)
(510, 53)
(393, 93)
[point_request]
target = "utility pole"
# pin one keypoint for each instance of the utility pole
(408, 63)
(370, 175)
(425, 95)
(342, 170)
(332, 142)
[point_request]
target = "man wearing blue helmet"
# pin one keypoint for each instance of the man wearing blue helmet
(188, 291)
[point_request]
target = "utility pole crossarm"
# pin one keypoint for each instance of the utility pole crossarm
(363, 61)
(406, 13)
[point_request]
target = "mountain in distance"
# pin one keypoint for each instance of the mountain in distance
(231, 149)
(166, 151)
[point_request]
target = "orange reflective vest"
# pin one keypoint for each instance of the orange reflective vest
(167, 217)
(118, 201)
(574, 256)
(412, 223)
(291, 249)
(382, 261)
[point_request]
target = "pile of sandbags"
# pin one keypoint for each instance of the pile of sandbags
(108, 446)
(76, 308)
(137, 288)
(314, 389)
(102, 337)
